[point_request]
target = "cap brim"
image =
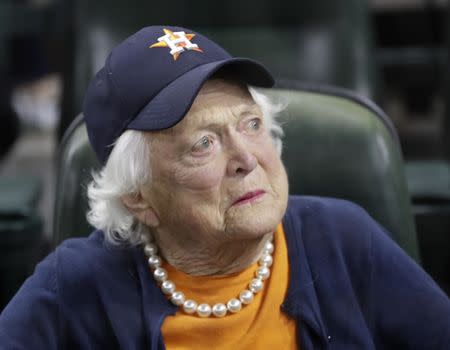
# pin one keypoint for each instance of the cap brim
(173, 102)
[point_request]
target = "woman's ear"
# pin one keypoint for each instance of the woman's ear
(140, 209)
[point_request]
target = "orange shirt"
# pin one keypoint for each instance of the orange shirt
(259, 325)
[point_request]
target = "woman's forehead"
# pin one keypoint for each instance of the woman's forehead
(221, 93)
(218, 101)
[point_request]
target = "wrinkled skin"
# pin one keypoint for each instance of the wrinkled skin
(201, 167)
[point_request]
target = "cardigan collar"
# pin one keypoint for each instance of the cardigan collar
(301, 300)
(156, 307)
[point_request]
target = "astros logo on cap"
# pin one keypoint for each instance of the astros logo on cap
(178, 42)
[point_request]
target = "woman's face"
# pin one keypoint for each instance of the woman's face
(216, 175)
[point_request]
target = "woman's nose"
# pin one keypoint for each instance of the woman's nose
(241, 158)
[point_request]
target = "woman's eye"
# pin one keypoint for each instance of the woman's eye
(203, 145)
(254, 124)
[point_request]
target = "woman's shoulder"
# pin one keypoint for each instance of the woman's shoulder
(92, 246)
(90, 258)
(78, 292)
(339, 214)
(330, 224)
(332, 205)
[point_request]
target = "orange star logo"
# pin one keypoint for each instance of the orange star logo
(178, 42)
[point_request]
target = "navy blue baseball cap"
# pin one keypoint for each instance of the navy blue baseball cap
(151, 79)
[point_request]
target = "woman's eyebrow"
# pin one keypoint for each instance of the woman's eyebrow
(215, 125)
(239, 111)
(247, 109)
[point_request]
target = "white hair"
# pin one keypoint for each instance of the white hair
(128, 169)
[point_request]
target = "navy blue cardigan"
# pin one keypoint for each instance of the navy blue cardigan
(350, 287)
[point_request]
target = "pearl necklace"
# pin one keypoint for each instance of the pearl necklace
(189, 306)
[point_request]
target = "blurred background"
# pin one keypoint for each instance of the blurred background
(394, 52)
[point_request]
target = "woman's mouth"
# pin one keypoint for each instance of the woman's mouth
(250, 197)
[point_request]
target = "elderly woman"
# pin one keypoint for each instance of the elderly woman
(198, 244)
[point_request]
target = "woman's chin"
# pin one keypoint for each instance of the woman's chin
(253, 220)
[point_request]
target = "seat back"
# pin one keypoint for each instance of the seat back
(336, 144)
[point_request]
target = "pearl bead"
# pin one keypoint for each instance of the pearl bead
(160, 274)
(246, 297)
(168, 287)
(266, 260)
(262, 272)
(154, 261)
(255, 285)
(204, 310)
(268, 248)
(177, 298)
(219, 310)
(150, 249)
(234, 305)
(189, 306)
